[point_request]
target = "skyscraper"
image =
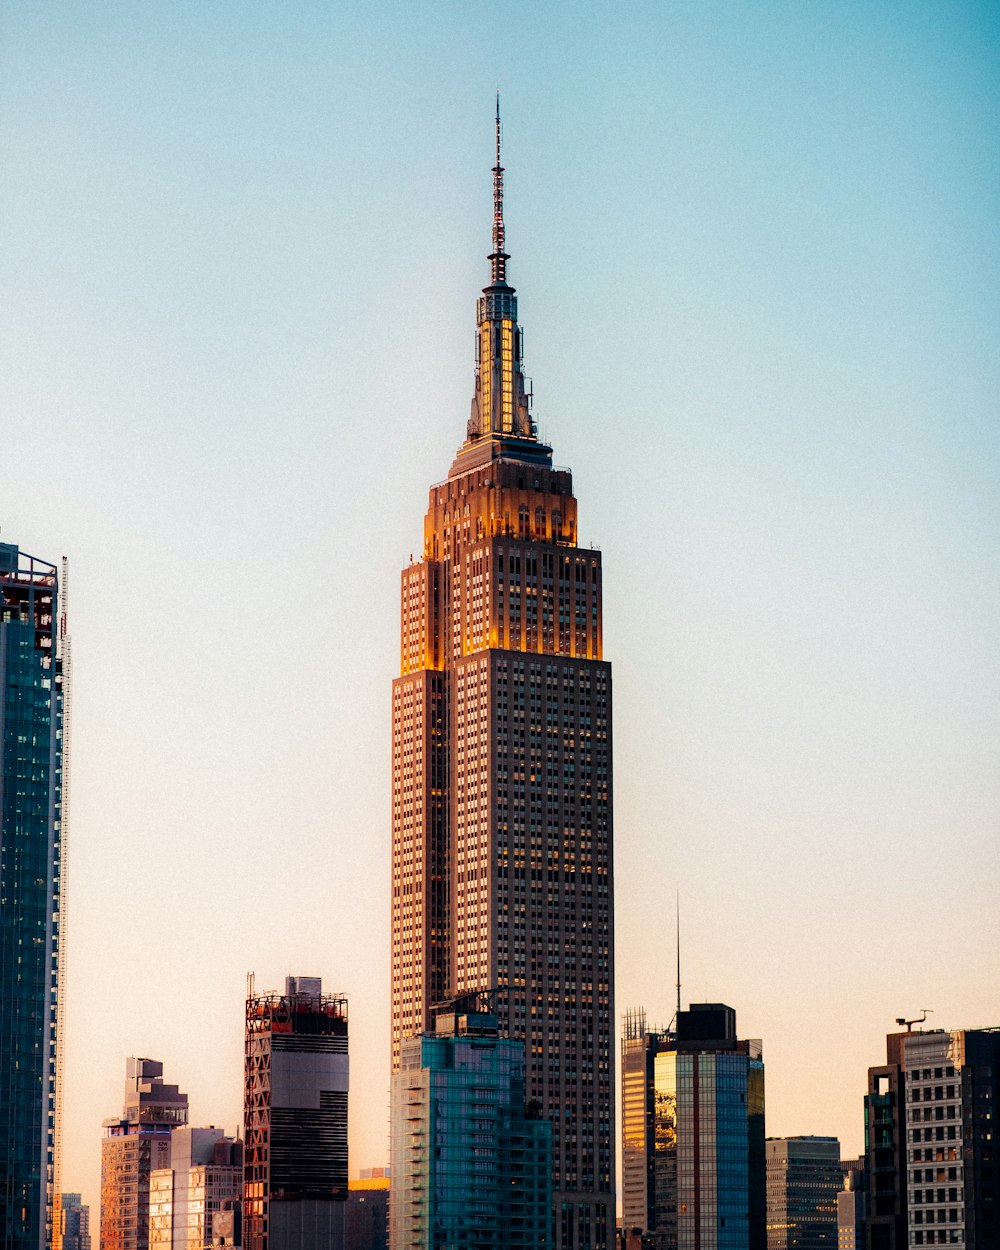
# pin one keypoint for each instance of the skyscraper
(295, 1118)
(135, 1144)
(501, 800)
(885, 1149)
(930, 1136)
(693, 1132)
(640, 1046)
(471, 1165)
(804, 1177)
(953, 1164)
(34, 657)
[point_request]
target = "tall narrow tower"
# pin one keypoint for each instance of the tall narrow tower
(501, 725)
(34, 706)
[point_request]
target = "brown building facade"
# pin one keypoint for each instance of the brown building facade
(502, 822)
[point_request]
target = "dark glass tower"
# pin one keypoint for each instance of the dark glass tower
(502, 837)
(471, 1162)
(693, 1132)
(33, 649)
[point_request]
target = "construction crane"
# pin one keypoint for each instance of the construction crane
(910, 1023)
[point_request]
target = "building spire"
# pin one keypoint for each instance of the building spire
(498, 257)
(678, 906)
(501, 405)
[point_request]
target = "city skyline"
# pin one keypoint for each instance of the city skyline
(782, 378)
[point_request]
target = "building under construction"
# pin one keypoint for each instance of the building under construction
(295, 1118)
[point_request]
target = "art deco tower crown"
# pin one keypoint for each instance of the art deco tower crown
(501, 406)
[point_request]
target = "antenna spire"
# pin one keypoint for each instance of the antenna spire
(678, 905)
(498, 257)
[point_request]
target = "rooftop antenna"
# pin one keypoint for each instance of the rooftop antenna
(498, 256)
(677, 902)
(927, 1011)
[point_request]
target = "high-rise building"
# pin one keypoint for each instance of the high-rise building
(804, 1178)
(693, 1132)
(75, 1223)
(934, 1107)
(885, 1149)
(34, 707)
(295, 1118)
(135, 1145)
(471, 1165)
(501, 799)
(640, 1046)
(852, 1205)
(205, 1176)
(952, 1155)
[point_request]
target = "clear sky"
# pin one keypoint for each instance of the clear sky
(756, 248)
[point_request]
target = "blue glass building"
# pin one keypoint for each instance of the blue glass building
(32, 697)
(471, 1164)
(693, 1133)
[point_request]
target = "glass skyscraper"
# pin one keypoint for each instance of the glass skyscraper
(33, 651)
(471, 1166)
(693, 1133)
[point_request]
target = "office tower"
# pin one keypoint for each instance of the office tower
(204, 1177)
(295, 1118)
(471, 1165)
(501, 804)
(804, 1178)
(930, 1139)
(953, 1163)
(135, 1145)
(75, 1223)
(852, 1205)
(693, 1132)
(368, 1210)
(34, 706)
(640, 1046)
(885, 1149)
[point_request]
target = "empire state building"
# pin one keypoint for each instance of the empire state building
(501, 788)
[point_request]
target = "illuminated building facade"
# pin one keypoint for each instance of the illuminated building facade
(804, 1177)
(33, 703)
(295, 1118)
(134, 1146)
(205, 1177)
(693, 1132)
(501, 803)
(469, 1167)
(640, 1046)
